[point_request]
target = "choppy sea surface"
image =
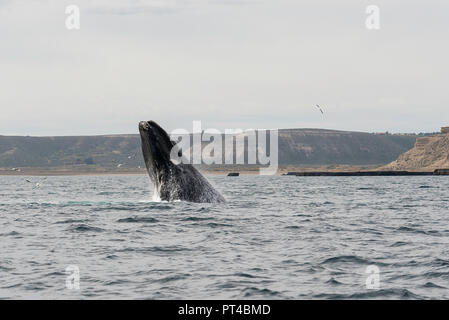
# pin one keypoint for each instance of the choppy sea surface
(277, 237)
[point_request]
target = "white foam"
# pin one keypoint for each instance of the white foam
(156, 197)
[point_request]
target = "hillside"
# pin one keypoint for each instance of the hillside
(316, 146)
(428, 154)
(296, 146)
(59, 151)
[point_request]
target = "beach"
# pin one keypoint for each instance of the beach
(219, 170)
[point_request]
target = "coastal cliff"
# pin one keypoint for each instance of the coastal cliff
(428, 154)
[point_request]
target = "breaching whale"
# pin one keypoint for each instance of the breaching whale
(172, 181)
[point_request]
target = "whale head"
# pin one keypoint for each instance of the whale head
(156, 148)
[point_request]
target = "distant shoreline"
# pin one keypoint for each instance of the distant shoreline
(244, 170)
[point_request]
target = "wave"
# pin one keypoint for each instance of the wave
(347, 259)
(196, 219)
(168, 249)
(432, 285)
(372, 294)
(12, 233)
(399, 244)
(334, 282)
(254, 291)
(436, 274)
(440, 262)
(414, 230)
(71, 221)
(215, 225)
(85, 228)
(173, 278)
(3, 268)
(245, 275)
(138, 220)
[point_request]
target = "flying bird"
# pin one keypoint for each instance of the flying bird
(319, 108)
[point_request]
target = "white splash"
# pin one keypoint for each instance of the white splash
(156, 197)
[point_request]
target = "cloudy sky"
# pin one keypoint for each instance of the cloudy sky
(229, 63)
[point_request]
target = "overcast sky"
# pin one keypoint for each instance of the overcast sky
(229, 63)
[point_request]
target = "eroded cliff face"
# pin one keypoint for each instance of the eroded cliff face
(429, 153)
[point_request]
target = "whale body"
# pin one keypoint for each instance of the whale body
(172, 181)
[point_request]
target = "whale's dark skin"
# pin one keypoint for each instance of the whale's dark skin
(172, 181)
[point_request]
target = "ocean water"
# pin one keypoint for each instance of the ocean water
(278, 237)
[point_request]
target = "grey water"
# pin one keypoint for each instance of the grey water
(277, 237)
